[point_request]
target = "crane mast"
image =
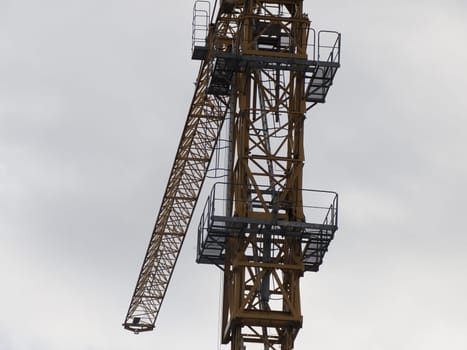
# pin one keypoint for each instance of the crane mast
(264, 67)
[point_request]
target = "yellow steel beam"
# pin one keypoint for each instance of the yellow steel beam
(197, 143)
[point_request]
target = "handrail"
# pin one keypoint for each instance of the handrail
(319, 212)
(333, 55)
(313, 44)
(200, 22)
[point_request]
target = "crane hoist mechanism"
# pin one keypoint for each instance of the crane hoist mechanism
(262, 67)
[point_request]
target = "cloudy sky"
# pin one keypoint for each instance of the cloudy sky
(93, 97)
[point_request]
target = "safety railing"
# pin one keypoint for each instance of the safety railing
(324, 46)
(200, 23)
(311, 46)
(323, 209)
(329, 46)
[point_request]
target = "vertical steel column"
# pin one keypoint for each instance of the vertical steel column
(263, 263)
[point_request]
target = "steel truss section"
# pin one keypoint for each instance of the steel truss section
(194, 153)
(262, 239)
(201, 132)
(256, 65)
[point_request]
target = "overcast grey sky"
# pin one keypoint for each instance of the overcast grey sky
(93, 97)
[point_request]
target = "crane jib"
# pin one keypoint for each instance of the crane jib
(200, 134)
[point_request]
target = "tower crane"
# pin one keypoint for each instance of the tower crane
(262, 67)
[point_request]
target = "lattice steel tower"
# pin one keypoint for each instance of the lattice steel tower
(262, 68)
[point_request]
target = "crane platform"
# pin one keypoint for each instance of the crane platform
(320, 65)
(315, 235)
